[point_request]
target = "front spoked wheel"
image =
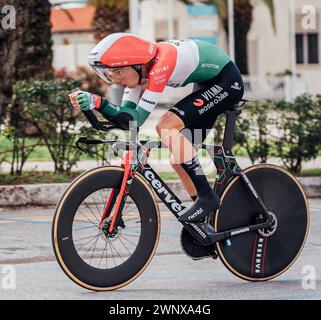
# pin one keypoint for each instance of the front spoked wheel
(90, 253)
(264, 254)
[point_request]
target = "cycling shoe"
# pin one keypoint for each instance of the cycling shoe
(202, 207)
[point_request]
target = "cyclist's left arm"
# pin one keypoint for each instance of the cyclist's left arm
(127, 111)
(130, 110)
(133, 108)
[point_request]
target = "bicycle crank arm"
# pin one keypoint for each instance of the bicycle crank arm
(206, 234)
(220, 236)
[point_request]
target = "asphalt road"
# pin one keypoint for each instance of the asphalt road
(28, 269)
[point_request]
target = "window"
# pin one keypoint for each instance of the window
(313, 48)
(299, 49)
(307, 48)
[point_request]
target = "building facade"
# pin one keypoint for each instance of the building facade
(72, 36)
(270, 52)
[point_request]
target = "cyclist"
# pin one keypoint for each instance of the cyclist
(144, 68)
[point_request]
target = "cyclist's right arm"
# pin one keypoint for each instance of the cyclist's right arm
(123, 114)
(134, 107)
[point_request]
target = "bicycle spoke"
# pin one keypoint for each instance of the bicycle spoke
(128, 241)
(96, 224)
(133, 207)
(107, 196)
(94, 250)
(132, 227)
(104, 202)
(106, 256)
(128, 211)
(93, 244)
(92, 196)
(132, 223)
(116, 251)
(131, 235)
(102, 255)
(111, 249)
(125, 246)
(87, 242)
(76, 229)
(91, 211)
(89, 237)
(126, 220)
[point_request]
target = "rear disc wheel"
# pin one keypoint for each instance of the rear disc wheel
(266, 253)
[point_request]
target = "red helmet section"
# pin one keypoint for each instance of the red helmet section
(128, 50)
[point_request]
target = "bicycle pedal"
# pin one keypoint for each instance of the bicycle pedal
(194, 249)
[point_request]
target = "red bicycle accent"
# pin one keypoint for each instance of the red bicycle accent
(126, 164)
(107, 207)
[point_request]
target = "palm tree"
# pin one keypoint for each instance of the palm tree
(25, 53)
(243, 17)
(111, 16)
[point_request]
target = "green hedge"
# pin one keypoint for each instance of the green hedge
(290, 131)
(45, 106)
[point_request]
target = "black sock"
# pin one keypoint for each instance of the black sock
(195, 172)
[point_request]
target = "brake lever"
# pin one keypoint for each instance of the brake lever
(81, 140)
(87, 141)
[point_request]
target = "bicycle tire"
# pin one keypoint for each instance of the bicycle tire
(69, 259)
(254, 256)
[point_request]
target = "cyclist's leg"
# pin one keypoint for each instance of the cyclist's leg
(195, 136)
(188, 167)
(199, 110)
(169, 128)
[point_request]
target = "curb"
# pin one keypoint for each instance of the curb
(49, 194)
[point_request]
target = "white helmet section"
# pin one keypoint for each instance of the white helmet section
(96, 54)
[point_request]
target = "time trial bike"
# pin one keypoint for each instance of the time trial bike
(106, 226)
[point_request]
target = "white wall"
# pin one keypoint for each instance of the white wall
(270, 52)
(272, 49)
(154, 26)
(312, 73)
(154, 21)
(74, 54)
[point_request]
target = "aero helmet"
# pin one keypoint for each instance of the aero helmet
(121, 50)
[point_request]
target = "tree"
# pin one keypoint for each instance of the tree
(243, 17)
(111, 16)
(25, 52)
